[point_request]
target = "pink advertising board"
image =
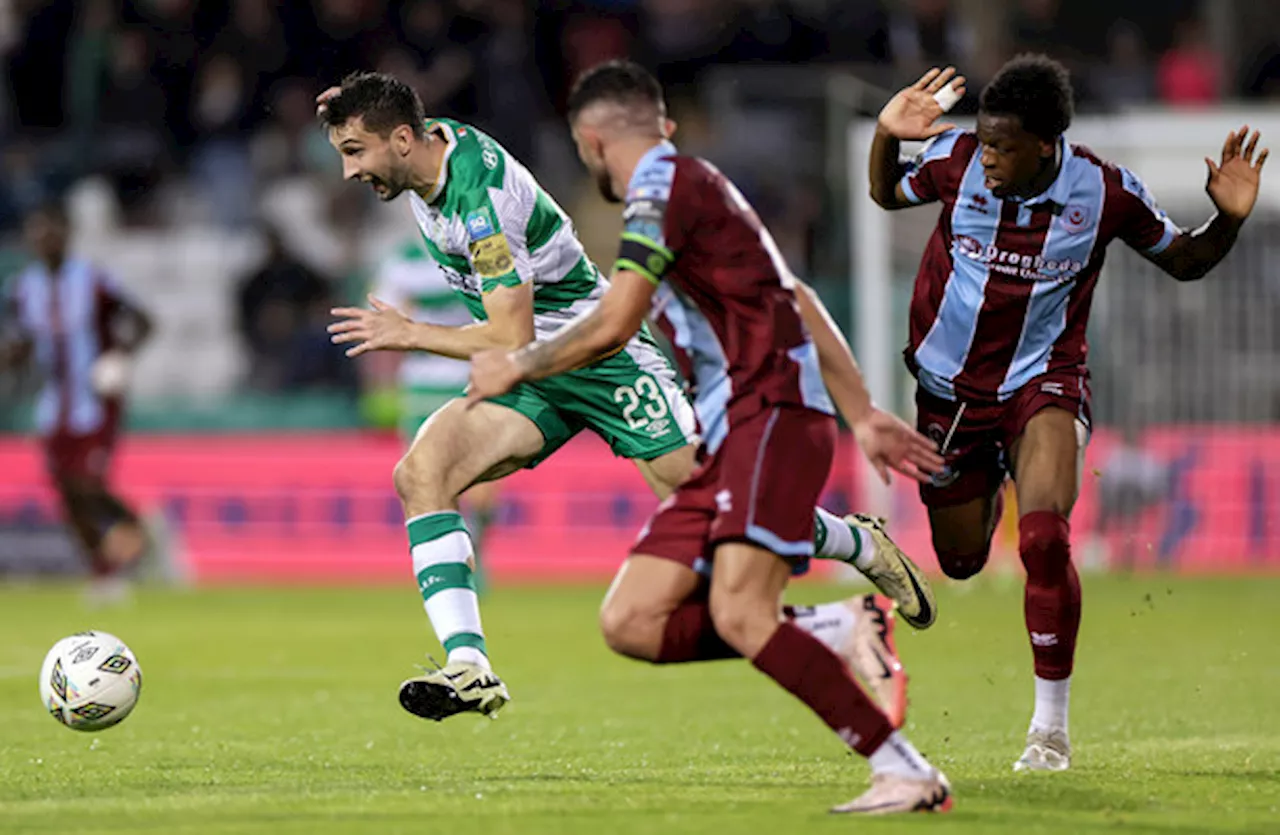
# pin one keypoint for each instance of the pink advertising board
(319, 508)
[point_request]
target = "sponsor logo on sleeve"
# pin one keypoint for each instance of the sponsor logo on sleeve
(479, 224)
(491, 257)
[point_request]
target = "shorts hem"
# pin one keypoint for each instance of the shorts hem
(651, 454)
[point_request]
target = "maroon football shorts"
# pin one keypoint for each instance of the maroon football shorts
(760, 486)
(81, 457)
(977, 454)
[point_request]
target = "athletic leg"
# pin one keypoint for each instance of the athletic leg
(745, 587)
(78, 508)
(455, 448)
(962, 534)
(1046, 469)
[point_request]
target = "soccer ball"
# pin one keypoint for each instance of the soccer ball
(90, 681)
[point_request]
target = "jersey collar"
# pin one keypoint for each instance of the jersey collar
(442, 176)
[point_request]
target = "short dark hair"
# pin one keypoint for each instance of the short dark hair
(382, 101)
(1036, 89)
(624, 82)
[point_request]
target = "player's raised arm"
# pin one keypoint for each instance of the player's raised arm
(1233, 187)
(912, 114)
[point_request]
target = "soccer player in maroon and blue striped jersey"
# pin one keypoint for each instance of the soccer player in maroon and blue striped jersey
(769, 371)
(997, 323)
(81, 329)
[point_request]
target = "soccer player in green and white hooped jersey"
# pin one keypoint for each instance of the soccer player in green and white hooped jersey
(512, 254)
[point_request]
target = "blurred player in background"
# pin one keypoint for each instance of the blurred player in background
(758, 347)
(512, 255)
(998, 321)
(82, 330)
(421, 383)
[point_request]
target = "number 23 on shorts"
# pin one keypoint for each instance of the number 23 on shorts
(644, 397)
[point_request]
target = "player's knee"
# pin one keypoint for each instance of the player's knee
(742, 622)
(414, 477)
(404, 478)
(629, 631)
(961, 563)
(1044, 544)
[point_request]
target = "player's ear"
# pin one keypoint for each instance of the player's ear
(402, 139)
(668, 128)
(595, 141)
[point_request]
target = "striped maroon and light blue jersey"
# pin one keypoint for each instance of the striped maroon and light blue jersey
(1004, 287)
(725, 297)
(68, 319)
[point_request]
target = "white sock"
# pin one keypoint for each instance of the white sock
(441, 549)
(468, 655)
(835, 539)
(1052, 701)
(830, 623)
(898, 756)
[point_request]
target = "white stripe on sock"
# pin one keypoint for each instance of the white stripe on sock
(453, 610)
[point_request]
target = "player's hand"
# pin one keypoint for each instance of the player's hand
(890, 444)
(1233, 182)
(912, 112)
(382, 328)
(322, 100)
(493, 372)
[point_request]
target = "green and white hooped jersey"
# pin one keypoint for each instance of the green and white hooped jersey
(414, 283)
(489, 224)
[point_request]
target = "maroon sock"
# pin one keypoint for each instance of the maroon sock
(816, 676)
(691, 636)
(1052, 600)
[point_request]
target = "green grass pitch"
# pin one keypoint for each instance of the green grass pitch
(274, 711)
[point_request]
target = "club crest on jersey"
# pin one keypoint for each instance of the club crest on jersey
(1075, 218)
(488, 153)
(479, 224)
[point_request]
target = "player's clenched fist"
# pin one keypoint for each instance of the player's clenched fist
(492, 373)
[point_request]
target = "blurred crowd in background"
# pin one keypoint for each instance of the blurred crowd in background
(147, 92)
(192, 112)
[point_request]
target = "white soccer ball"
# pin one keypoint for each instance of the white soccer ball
(90, 681)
